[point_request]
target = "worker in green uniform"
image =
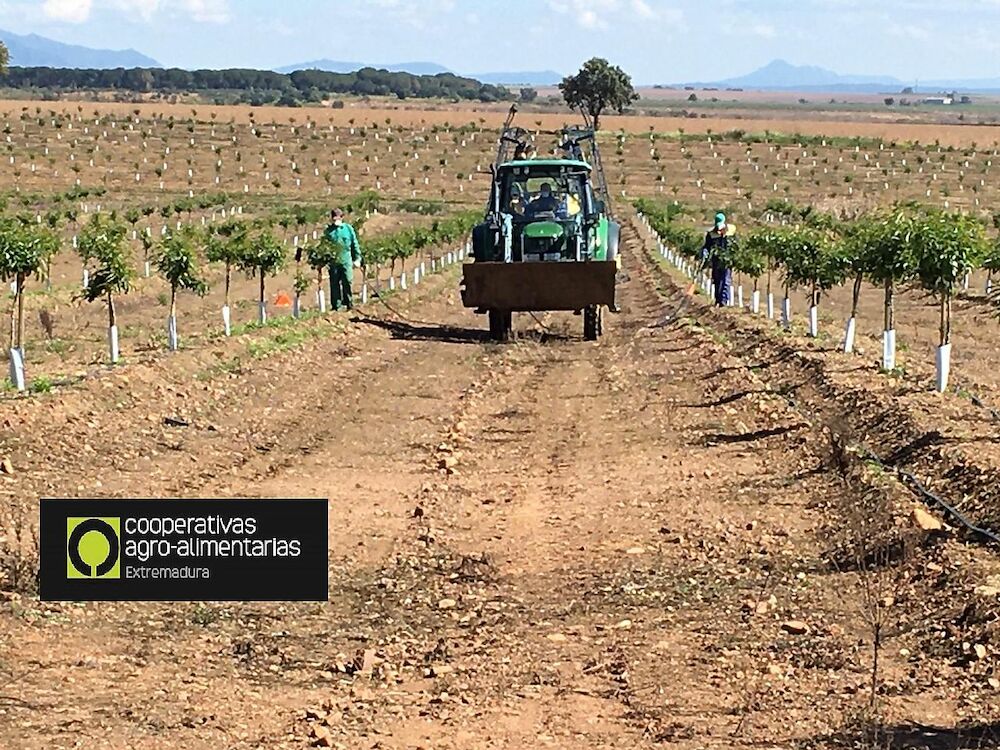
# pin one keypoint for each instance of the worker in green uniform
(343, 235)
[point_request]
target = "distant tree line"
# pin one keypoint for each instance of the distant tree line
(303, 85)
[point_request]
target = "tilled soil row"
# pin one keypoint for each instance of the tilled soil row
(621, 544)
(163, 426)
(544, 568)
(948, 442)
(623, 549)
(575, 558)
(941, 589)
(181, 675)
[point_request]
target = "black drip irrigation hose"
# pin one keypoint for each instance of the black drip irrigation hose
(918, 488)
(539, 322)
(376, 294)
(672, 316)
(910, 480)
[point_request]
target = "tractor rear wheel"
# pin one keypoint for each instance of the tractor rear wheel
(593, 323)
(501, 325)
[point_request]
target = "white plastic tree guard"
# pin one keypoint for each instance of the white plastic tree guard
(113, 344)
(850, 333)
(172, 341)
(943, 367)
(889, 350)
(17, 369)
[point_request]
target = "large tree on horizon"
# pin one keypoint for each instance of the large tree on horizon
(597, 88)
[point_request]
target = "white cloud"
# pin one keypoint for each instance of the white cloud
(746, 25)
(419, 15)
(763, 30)
(603, 14)
(590, 20)
(67, 11)
(79, 11)
(207, 11)
(643, 9)
(590, 14)
(145, 9)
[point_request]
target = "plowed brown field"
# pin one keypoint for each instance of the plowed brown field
(632, 550)
(865, 126)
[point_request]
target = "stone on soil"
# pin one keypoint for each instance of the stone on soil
(925, 521)
(795, 627)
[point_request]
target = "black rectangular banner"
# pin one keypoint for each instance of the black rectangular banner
(183, 550)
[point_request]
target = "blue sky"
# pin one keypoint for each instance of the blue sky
(655, 40)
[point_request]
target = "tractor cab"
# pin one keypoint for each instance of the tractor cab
(546, 204)
(545, 210)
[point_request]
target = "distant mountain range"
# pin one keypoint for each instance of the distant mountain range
(780, 74)
(783, 76)
(337, 66)
(526, 78)
(32, 51)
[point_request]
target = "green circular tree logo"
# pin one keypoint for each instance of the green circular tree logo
(93, 548)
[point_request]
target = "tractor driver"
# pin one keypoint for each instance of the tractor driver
(546, 202)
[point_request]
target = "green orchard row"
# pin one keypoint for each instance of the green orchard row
(236, 244)
(906, 243)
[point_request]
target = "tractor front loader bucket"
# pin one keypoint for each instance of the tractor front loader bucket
(536, 287)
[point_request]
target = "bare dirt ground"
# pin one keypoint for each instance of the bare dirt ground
(629, 547)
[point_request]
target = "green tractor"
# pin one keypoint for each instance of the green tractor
(548, 241)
